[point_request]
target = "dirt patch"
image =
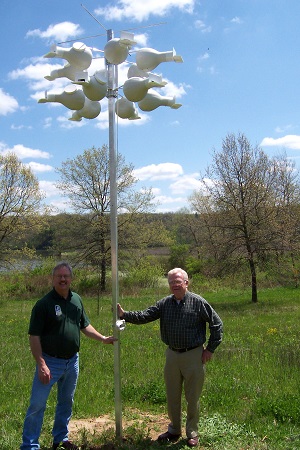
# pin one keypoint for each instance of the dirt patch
(154, 424)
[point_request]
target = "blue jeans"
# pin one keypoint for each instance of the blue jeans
(64, 372)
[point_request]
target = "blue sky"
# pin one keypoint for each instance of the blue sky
(241, 73)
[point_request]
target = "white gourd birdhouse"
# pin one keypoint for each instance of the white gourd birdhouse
(90, 110)
(94, 87)
(116, 50)
(153, 100)
(134, 71)
(149, 58)
(72, 97)
(79, 55)
(136, 88)
(126, 109)
(67, 71)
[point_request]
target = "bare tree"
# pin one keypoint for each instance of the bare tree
(85, 181)
(20, 202)
(244, 195)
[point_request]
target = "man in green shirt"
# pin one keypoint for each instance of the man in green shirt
(54, 336)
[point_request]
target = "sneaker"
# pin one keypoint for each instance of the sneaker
(65, 444)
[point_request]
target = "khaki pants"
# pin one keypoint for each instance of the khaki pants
(184, 370)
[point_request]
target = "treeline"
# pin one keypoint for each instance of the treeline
(242, 224)
(163, 241)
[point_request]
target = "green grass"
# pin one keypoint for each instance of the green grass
(251, 397)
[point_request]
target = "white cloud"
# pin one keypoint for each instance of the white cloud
(58, 32)
(39, 168)
(163, 199)
(58, 206)
(49, 188)
(204, 56)
(23, 152)
(291, 141)
(65, 123)
(237, 20)
(161, 171)
(171, 90)
(34, 75)
(8, 104)
(31, 71)
(186, 183)
(20, 127)
(284, 129)
(155, 191)
(140, 10)
(141, 39)
(102, 122)
(202, 62)
(200, 25)
(47, 122)
(56, 202)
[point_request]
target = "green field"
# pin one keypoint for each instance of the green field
(251, 397)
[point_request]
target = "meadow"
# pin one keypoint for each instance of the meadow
(251, 397)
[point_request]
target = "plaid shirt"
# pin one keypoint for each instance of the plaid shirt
(182, 324)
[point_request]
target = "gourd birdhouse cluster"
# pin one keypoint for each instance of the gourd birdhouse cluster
(86, 90)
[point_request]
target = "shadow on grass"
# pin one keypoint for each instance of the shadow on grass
(131, 444)
(142, 445)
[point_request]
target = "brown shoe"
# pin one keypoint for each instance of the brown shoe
(193, 442)
(168, 437)
(65, 444)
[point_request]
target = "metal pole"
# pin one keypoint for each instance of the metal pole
(112, 92)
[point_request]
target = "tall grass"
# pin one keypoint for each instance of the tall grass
(251, 397)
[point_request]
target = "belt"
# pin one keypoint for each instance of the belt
(61, 357)
(183, 350)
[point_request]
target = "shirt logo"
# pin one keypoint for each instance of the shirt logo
(58, 311)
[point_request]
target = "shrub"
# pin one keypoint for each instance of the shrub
(284, 409)
(143, 275)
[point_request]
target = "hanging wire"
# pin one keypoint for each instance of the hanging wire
(146, 26)
(93, 17)
(81, 38)
(99, 35)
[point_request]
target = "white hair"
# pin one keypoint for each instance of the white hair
(178, 270)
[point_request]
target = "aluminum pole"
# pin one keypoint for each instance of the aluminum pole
(112, 92)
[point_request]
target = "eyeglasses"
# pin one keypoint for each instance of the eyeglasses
(62, 276)
(177, 282)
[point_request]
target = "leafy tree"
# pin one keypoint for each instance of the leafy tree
(140, 235)
(178, 255)
(287, 227)
(85, 180)
(242, 202)
(20, 203)
(60, 234)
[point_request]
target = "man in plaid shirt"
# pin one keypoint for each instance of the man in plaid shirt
(183, 317)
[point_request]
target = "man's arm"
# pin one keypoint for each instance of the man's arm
(92, 333)
(36, 350)
(139, 317)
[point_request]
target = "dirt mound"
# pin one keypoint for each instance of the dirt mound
(155, 424)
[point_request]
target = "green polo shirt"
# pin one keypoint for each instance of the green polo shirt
(58, 322)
